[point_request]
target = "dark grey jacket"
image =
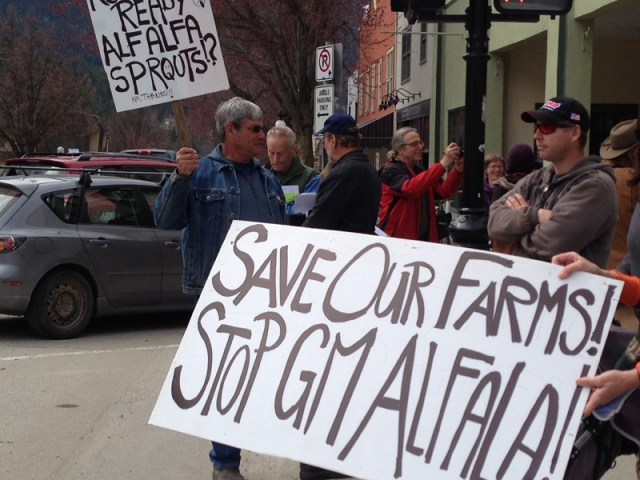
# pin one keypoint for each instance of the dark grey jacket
(349, 198)
(584, 207)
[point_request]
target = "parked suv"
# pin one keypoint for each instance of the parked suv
(76, 246)
(143, 167)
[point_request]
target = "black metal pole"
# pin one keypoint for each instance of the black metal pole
(469, 229)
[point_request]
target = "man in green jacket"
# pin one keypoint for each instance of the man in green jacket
(282, 149)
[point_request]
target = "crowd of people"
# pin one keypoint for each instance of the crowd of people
(533, 211)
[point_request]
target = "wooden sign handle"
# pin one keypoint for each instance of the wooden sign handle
(181, 123)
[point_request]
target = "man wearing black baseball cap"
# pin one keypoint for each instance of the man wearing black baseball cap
(349, 198)
(570, 205)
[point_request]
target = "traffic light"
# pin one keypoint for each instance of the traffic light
(413, 8)
(534, 7)
(418, 5)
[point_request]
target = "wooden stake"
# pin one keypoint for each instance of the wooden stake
(181, 123)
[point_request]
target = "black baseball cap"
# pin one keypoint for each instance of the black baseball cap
(559, 110)
(338, 124)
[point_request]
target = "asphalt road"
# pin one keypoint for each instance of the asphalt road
(78, 409)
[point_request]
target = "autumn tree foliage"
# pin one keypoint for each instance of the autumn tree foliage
(40, 95)
(137, 129)
(269, 48)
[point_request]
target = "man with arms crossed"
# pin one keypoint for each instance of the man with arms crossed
(569, 205)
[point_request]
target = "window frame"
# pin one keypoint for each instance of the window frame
(360, 94)
(423, 43)
(366, 92)
(405, 63)
(389, 86)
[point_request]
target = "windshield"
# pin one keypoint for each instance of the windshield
(8, 196)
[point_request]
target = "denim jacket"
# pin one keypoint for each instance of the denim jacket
(203, 206)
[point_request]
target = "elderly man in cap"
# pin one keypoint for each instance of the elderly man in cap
(349, 198)
(620, 150)
(570, 205)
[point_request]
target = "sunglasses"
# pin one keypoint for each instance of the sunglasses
(254, 128)
(413, 144)
(548, 128)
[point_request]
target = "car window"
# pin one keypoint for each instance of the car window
(64, 204)
(8, 196)
(150, 194)
(113, 206)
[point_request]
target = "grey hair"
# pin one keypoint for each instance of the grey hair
(398, 139)
(235, 111)
(283, 132)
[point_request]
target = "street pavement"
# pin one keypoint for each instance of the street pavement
(78, 409)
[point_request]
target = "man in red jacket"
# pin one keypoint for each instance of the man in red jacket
(407, 208)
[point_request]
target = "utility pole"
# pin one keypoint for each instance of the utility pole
(469, 229)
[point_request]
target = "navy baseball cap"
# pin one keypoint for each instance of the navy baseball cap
(338, 124)
(558, 110)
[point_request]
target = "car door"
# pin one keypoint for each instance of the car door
(117, 232)
(171, 252)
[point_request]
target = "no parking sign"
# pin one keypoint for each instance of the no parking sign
(324, 63)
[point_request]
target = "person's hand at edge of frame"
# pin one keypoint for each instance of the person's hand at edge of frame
(607, 386)
(574, 262)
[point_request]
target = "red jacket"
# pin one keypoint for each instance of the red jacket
(402, 193)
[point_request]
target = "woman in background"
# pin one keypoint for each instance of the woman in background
(494, 167)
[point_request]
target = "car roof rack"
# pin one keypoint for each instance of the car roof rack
(85, 157)
(46, 154)
(85, 178)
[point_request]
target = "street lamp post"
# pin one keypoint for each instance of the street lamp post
(470, 227)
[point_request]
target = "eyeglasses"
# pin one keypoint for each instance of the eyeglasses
(414, 144)
(549, 128)
(254, 128)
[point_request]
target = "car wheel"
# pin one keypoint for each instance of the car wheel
(61, 305)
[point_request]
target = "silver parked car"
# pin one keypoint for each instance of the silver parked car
(74, 247)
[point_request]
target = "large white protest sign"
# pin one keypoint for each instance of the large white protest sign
(156, 51)
(385, 358)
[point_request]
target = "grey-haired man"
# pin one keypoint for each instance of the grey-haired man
(285, 164)
(204, 195)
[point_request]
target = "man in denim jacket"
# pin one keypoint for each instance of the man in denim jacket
(204, 195)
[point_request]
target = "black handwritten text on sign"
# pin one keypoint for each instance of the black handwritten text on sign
(156, 51)
(385, 358)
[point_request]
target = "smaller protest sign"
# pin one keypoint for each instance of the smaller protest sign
(158, 51)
